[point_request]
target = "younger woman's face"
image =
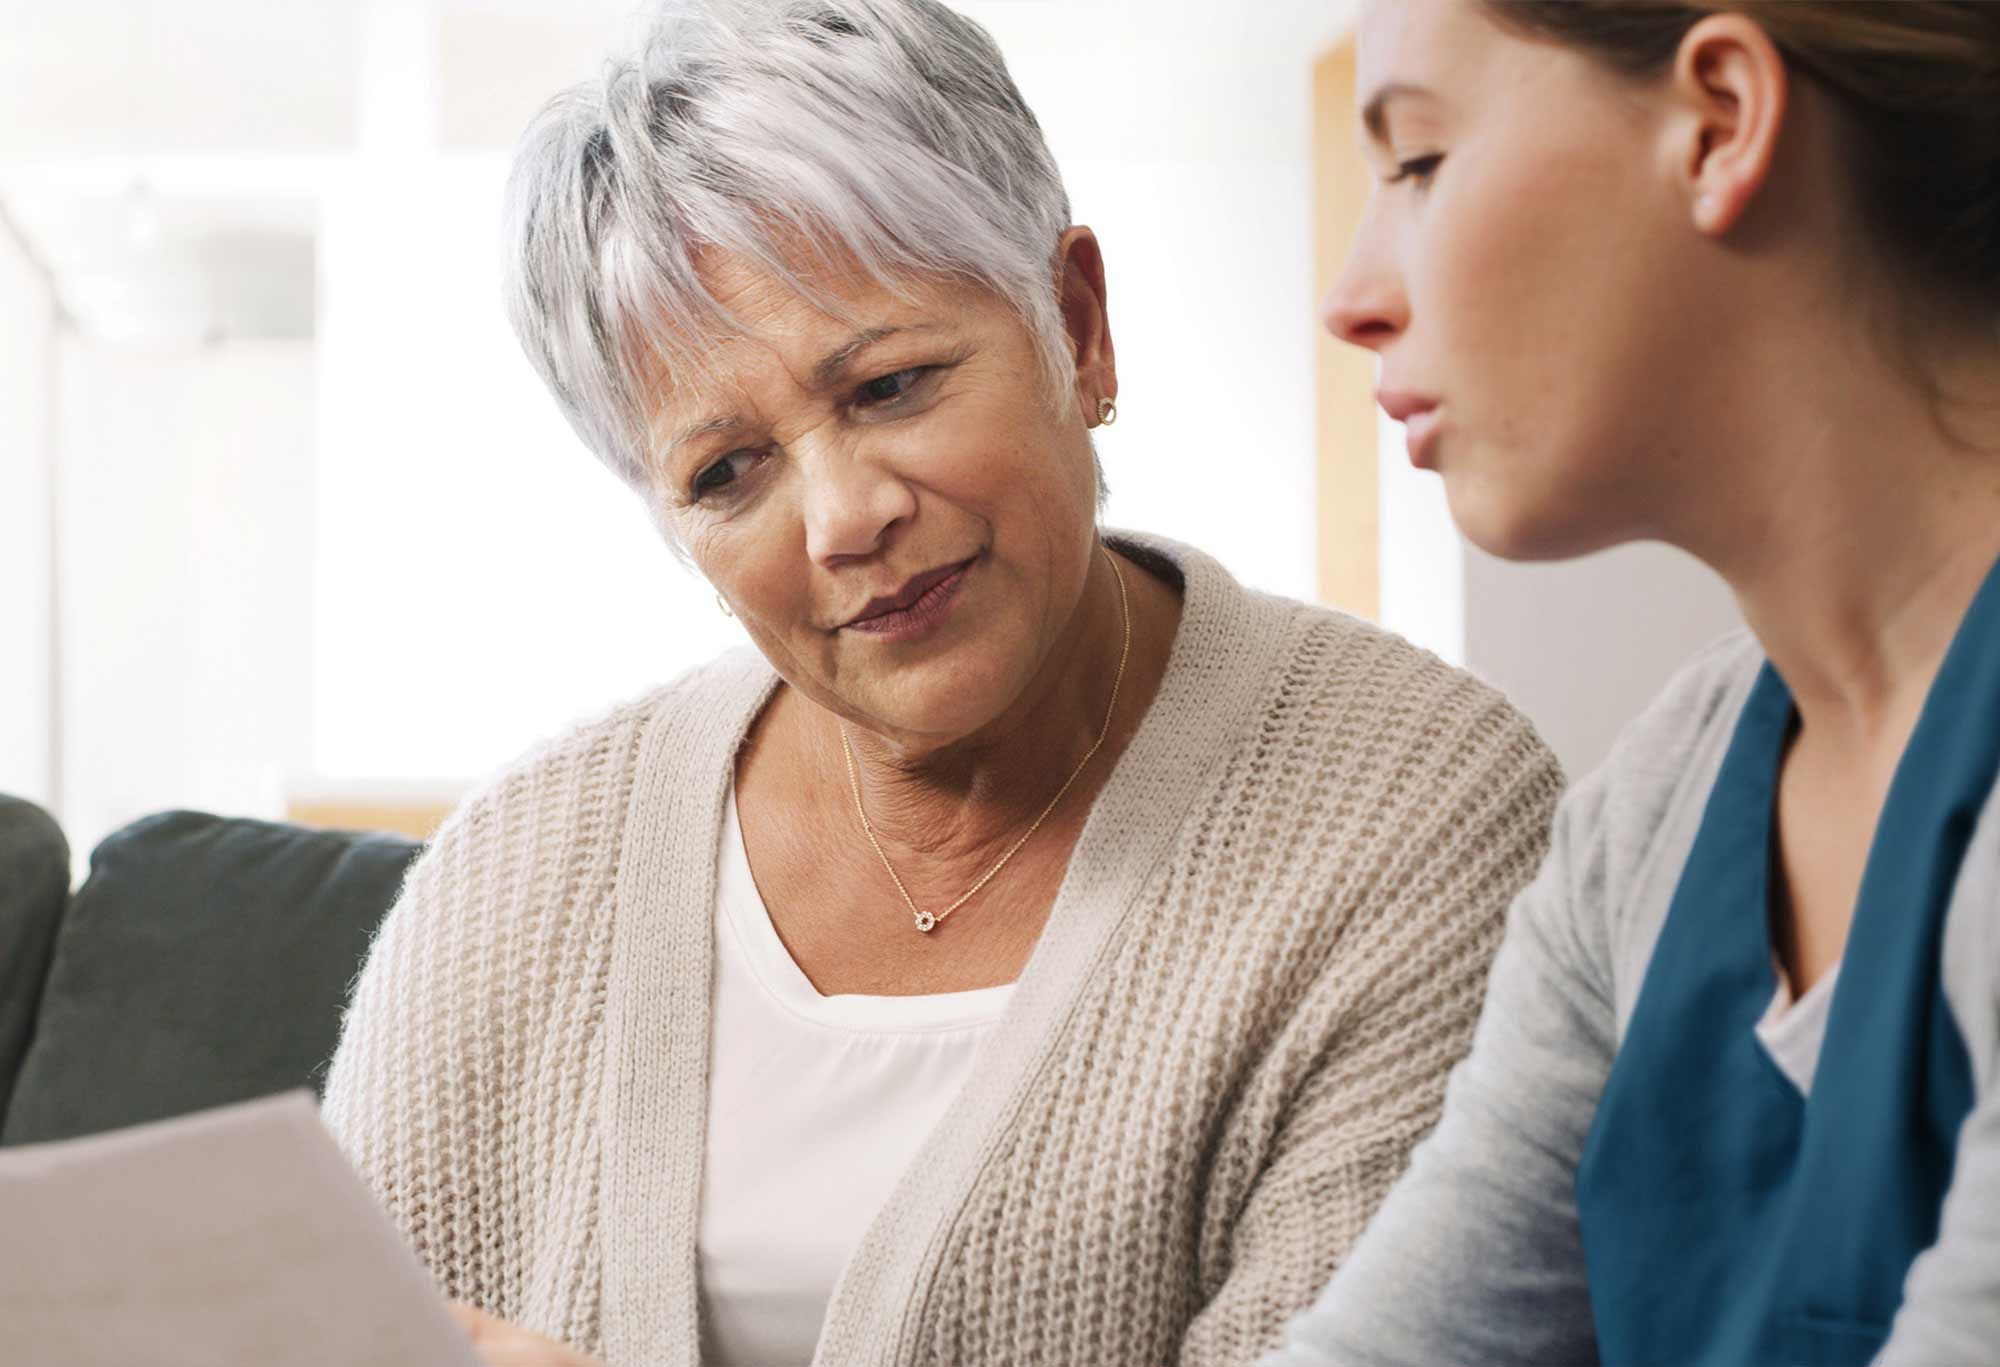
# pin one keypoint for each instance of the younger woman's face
(1527, 272)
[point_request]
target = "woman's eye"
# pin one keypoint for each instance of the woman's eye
(1418, 169)
(890, 388)
(724, 473)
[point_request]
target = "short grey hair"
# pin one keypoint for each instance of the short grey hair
(787, 132)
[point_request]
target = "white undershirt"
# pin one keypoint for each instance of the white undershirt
(815, 1107)
(1792, 1032)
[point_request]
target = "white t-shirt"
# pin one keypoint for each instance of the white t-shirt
(816, 1105)
(1793, 1031)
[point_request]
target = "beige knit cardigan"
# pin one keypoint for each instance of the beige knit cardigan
(1268, 950)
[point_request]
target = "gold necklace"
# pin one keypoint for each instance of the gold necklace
(926, 921)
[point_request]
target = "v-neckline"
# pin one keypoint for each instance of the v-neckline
(663, 960)
(1704, 1164)
(1773, 709)
(745, 915)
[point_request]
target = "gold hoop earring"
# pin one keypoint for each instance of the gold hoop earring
(723, 603)
(1107, 412)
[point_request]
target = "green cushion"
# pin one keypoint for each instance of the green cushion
(204, 961)
(34, 884)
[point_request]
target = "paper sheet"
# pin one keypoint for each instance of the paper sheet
(236, 1237)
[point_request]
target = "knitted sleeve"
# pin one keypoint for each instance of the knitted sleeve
(1477, 1255)
(1378, 1033)
(465, 1085)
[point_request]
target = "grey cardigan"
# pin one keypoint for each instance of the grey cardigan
(1475, 1257)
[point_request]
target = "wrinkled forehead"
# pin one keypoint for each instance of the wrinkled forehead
(790, 326)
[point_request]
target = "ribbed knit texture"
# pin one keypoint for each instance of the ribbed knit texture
(1268, 951)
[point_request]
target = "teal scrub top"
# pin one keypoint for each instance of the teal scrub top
(1726, 1218)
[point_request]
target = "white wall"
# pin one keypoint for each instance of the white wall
(480, 580)
(111, 78)
(28, 322)
(185, 561)
(1583, 646)
(1184, 134)
(1422, 556)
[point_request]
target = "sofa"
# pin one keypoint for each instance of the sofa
(204, 960)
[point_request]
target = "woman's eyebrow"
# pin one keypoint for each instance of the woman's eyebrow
(834, 362)
(1374, 114)
(830, 366)
(706, 428)
(826, 371)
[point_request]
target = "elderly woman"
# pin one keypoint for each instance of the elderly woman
(1040, 948)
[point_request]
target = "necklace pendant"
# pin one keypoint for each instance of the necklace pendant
(926, 922)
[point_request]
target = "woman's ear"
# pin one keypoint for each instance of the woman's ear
(1086, 319)
(1730, 89)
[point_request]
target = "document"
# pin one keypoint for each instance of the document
(236, 1237)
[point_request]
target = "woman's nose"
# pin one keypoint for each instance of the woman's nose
(851, 505)
(1359, 323)
(1367, 306)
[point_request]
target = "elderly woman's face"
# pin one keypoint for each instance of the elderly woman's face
(894, 505)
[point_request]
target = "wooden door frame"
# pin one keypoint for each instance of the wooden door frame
(1349, 495)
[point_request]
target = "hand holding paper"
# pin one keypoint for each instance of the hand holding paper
(234, 1236)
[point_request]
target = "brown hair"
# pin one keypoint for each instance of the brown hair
(1918, 81)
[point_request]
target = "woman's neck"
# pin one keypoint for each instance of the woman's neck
(1857, 521)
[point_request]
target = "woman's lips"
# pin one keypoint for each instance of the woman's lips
(923, 615)
(1420, 435)
(1419, 415)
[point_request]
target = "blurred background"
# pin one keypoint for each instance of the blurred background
(287, 526)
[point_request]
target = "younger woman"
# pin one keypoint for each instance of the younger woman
(1726, 274)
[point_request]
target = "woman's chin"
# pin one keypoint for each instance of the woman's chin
(917, 733)
(934, 713)
(1513, 525)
